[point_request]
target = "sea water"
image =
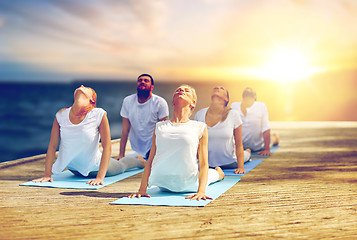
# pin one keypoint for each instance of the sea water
(27, 111)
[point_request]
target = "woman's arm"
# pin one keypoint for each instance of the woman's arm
(104, 131)
(203, 168)
(239, 150)
(51, 153)
(147, 172)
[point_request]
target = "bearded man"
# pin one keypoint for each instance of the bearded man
(140, 112)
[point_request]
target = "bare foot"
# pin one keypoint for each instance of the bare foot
(275, 139)
(143, 162)
(248, 150)
(220, 173)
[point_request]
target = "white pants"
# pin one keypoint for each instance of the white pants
(213, 176)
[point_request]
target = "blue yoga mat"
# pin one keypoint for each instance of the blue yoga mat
(248, 166)
(67, 179)
(159, 198)
(256, 155)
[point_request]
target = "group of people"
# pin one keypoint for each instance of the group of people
(179, 155)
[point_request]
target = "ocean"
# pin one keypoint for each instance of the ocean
(27, 110)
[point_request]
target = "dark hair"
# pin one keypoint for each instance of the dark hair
(147, 75)
(226, 109)
(249, 92)
(227, 97)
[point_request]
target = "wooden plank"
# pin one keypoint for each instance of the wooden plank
(307, 190)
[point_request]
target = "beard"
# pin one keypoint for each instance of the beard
(143, 93)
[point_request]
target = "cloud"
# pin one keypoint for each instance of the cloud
(109, 26)
(175, 36)
(88, 12)
(111, 38)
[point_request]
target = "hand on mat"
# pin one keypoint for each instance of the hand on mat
(138, 195)
(239, 171)
(43, 179)
(265, 152)
(95, 182)
(198, 196)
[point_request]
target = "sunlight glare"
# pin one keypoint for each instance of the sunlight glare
(286, 65)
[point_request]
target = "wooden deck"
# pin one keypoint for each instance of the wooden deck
(306, 190)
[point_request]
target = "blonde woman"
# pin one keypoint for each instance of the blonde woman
(225, 148)
(172, 164)
(79, 128)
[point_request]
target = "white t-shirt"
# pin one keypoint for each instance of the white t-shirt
(255, 123)
(79, 145)
(221, 146)
(143, 117)
(175, 165)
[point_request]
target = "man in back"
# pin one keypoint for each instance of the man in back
(255, 127)
(140, 112)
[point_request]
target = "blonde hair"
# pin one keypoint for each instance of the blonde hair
(194, 95)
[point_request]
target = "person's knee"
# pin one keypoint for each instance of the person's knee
(247, 155)
(220, 173)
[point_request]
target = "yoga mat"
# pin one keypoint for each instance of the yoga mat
(248, 166)
(67, 179)
(159, 198)
(256, 155)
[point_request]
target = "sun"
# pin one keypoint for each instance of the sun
(286, 65)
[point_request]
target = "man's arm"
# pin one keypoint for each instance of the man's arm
(124, 137)
(162, 110)
(266, 132)
(266, 137)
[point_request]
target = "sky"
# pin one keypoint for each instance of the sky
(277, 41)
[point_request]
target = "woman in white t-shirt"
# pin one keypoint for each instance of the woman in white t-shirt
(172, 163)
(80, 127)
(225, 148)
